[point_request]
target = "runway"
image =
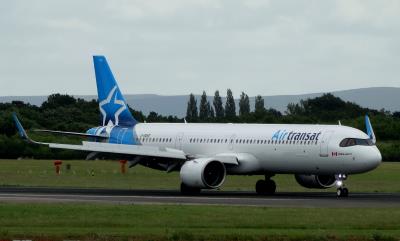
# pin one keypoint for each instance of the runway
(232, 198)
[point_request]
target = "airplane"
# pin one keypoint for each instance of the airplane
(319, 156)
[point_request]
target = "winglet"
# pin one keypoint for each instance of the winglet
(21, 130)
(370, 131)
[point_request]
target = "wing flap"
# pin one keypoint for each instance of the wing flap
(123, 149)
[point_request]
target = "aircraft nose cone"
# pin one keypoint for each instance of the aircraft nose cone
(375, 158)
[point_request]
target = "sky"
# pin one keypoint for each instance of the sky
(171, 47)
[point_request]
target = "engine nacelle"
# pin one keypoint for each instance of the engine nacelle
(316, 181)
(203, 173)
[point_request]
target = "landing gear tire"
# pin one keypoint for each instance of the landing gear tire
(342, 192)
(187, 190)
(265, 187)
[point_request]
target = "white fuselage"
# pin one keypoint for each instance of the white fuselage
(267, 148)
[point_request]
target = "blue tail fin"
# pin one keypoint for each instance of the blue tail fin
(112, 103)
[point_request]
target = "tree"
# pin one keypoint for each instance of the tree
(230, 109)
(58, 100)
(219, 109)
(153, 117)
(210, 110)
(244, 105)
(138, 115)
(204, 107)
(294, 109)
(259, 104)
(211, 114)
(191, 112)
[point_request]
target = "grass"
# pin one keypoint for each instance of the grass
(385, 178)
(174, 222)
(41, 221)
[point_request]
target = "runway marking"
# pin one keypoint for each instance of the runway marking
(151, 197)
(172, 197)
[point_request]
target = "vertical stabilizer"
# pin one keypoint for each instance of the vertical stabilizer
(112, 103)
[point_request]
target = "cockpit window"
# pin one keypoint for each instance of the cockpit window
(356, 142)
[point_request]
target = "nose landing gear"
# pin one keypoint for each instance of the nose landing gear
(265, 187)
(341, 191)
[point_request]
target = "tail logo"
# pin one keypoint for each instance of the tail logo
(112, 107)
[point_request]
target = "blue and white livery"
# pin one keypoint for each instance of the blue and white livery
(319, 156)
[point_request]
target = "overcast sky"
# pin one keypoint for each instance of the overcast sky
(171, 47)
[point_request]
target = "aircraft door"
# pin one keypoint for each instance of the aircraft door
(324, 147)
(179, 140)
(231, 141)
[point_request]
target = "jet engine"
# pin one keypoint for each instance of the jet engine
(203, 173)
(316, 181)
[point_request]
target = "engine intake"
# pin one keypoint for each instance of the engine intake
(203, 173)
(316, 181)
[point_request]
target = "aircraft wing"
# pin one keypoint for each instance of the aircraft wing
(134, 150)
(101, 147)
(68, 133)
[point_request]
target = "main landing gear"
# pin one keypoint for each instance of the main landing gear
(341, 191)
(266, 187)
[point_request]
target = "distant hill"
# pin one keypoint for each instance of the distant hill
(375, 98)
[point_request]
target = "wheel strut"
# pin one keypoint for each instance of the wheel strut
(341, 190)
